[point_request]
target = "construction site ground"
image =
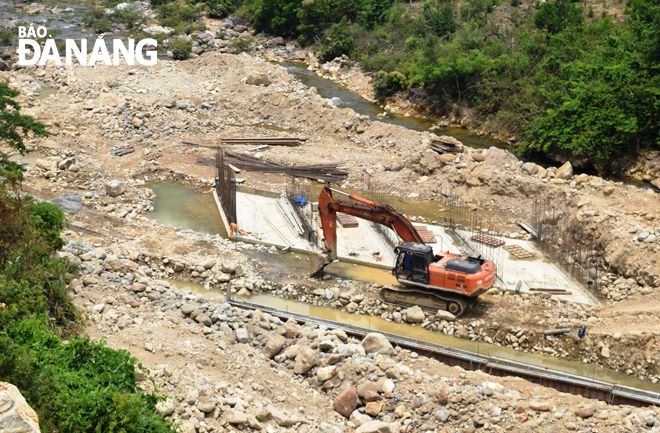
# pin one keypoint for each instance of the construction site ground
(100, 108)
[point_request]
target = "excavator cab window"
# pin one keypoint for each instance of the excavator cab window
(413, 267)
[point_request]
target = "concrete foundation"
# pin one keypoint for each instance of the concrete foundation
(259, 216)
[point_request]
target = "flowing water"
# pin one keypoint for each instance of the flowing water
(328, 88)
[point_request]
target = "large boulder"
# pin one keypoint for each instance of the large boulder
(206, 404)
(273, 346)
(72, 203)
(530, 168)
(430, 162)
(258, 79)
(415, 315)
(375, 342)
(16, 416)
(565, 171)
(114, 188)
(120, 265)
(368, 391)
(346, 402)
(275, 42)
(305, 360)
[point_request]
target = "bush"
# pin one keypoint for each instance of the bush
(241, 44)
(337, 42)
(181, 48)
(554, 17)
(97, 20)
(218, 8)
(178, 13)
(79, 386)
(387, 84)
(440, 16)
(373, 12)
(131, 17)
(6, 37)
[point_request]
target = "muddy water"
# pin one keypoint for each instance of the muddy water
(46, 91)
(280, 266)
(198, 289)
(26, 160)
(183, 207)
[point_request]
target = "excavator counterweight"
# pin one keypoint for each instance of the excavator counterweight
(432, 281)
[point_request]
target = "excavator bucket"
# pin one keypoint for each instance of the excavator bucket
(317, 261)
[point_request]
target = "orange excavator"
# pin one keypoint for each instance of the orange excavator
(433, 281)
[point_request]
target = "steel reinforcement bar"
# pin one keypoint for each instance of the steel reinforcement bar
(564, 382)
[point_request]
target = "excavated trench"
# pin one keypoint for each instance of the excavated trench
(377, 324)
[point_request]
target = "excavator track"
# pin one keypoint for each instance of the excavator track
(425, 299)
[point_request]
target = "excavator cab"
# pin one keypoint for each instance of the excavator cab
(412, 262)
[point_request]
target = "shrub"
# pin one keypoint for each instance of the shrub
(6, 37)
(97, 19)
(241, 44)
(373, 12)
(337, 42)
(82, 386)
(177, 13)
(218, 8)
(554, 17)
(387, 84)
(131, 17)
(181, 48)
(440, 16)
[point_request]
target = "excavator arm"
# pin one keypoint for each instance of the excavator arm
(366, 209)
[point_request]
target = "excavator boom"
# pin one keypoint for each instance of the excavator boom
(367, 210)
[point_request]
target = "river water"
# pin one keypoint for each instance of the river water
(328, 88)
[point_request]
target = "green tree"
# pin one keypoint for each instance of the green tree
(554, 17)
(276, 16)
(337, 42)
(13, 128)
(373, 12)
(440, 16)
(645, 15)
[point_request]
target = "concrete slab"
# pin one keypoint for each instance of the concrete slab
(264, 223)
(535, 273)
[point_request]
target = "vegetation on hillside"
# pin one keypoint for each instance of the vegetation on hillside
(75, 385)
(557, 78)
